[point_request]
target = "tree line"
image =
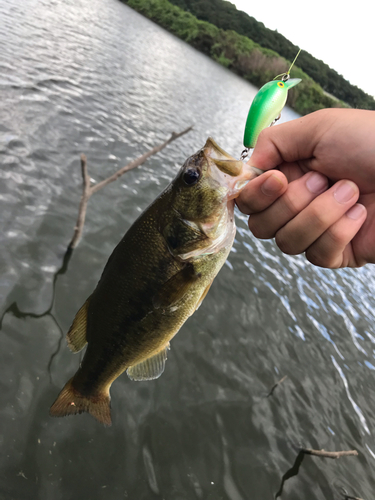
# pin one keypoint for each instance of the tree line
(237, 52)
(225, 15)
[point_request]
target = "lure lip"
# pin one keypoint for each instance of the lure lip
(292, 82)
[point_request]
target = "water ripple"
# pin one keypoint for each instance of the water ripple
(356, 408)
(73, 80)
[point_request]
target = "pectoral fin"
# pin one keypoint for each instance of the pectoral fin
(150, 368)
(183, 236)
(176, 287)
(76, 335)
(203, 296)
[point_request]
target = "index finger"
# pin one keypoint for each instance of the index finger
(261, 192)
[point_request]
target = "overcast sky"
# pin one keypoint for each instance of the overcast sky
(341, 34)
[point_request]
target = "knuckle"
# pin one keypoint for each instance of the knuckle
(324, 257)
(285, 243)
(317, 216)
(290, 207)
(243, 206)
(260, 229)
(321, 259)
(336, 239)
(328, 250)
(316, 258)
(321, 113)
(251, 201)
(264, 134)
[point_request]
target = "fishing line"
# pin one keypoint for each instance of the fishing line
(266, 107)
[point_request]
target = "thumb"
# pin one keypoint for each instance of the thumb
(288, 142)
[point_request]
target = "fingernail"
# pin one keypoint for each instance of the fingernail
(271, 186)
(345, 191)
(316, 183)
(356, 212)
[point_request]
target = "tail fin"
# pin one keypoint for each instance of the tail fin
(70, 402)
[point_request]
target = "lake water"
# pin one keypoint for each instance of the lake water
(96, 77)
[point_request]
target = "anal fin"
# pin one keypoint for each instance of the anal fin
(151, 368)
(76, 335)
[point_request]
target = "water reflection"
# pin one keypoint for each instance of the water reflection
(15, 310)
(293, 471)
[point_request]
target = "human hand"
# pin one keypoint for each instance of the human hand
(325, 164)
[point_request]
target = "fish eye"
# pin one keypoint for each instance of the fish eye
(280, 84)
(191, 176)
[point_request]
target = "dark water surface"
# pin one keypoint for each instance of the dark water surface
(96, 77)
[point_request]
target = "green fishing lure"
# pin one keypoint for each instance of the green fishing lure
(267, 106)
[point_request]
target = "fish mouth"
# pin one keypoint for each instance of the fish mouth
(230, 173)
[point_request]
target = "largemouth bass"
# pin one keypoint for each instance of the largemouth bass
(156, 277)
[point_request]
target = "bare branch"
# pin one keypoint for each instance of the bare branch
(329, 454)
(274, 387)
(83, 204)
(138, 161)
(294, 470)
(88, 190)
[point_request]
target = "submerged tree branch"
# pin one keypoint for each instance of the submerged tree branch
(330, 454)
(86, 193)
(277, 384)
(88, 190)
(294, 470)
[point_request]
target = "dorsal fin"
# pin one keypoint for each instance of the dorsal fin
(150, 368)
(76, 335)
